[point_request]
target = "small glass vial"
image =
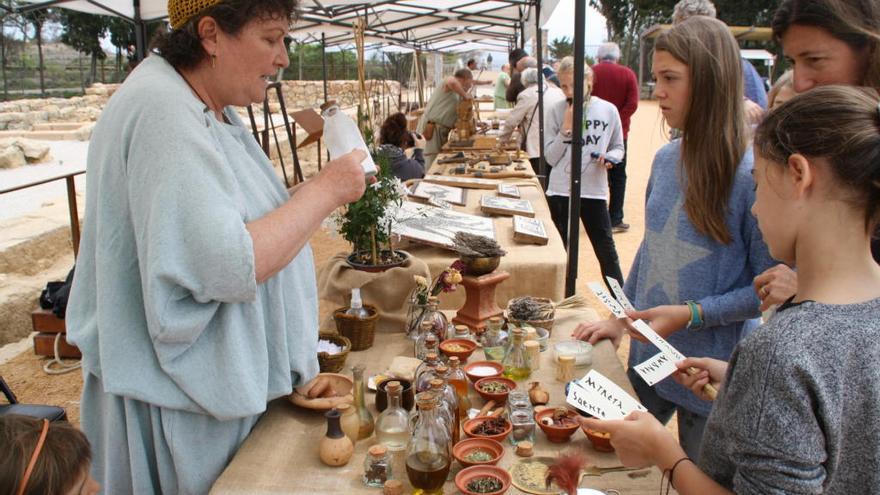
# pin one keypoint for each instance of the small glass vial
(533, 349)
(428, 369)
(377, 466)
(463, 332)
(518, 399)
(565, 369)
(494, 341)
(516, 361)
(427, 341)
(523, 422)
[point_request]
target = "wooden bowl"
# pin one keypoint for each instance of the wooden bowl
(472, 424)
(463, 355)
(557, 434)
(467, 475)
(601, 440)
(479, 369)
(468, 445)
(342, 385)
(498, 397)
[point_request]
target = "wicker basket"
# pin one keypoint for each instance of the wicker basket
(545, 324)
(359, 332)
(333, 363)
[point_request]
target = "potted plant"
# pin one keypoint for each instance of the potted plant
(366, 224)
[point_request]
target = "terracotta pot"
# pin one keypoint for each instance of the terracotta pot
(498, 397)
(601, 441)
(468, 445)
(467, 475)
(470, 368)
(463, 356)
(471, 424)
(376, 268)
(557, 434)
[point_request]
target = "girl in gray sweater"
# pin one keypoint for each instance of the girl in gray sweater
(796, 411)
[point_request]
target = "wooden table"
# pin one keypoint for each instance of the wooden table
(281, 453)
(537, 271)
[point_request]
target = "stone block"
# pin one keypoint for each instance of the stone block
(11, 157)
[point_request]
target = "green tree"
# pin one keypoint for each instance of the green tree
(83, 33)
(38, 19)
(560, 48)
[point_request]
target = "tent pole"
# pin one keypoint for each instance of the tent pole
(577, 143)
(139, 32)
(542, 166)
(324, 63)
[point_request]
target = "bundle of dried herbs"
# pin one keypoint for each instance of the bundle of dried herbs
(485, 484)
(528, 308)
(476, 246)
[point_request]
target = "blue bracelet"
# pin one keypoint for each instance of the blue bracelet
(695, 322)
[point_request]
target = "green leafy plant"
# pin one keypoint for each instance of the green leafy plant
(366, 224)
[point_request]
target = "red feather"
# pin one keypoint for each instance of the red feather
(566, 473)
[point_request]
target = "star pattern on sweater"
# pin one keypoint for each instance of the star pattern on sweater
(668, 255)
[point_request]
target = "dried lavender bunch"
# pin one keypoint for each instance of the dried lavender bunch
(526, 308)
(476, 246)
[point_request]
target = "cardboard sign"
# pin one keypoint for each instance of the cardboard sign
(619, 294)
(609, 302)
(600, 397)
(656, 369)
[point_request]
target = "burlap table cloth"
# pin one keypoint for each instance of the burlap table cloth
(389, 290)
(534, 270)
(281, 453)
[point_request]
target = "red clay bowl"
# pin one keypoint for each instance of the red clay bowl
(480, 369)
(463, 355)
(468, 445)
(467, 475)
(601, 440)
(471, 424)
(498, 397)
(557, 434)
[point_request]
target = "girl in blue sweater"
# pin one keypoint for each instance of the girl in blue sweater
(692, 274)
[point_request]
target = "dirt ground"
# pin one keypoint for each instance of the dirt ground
(25, 375)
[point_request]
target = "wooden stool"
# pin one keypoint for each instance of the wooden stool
(479, 304)
(49, 326)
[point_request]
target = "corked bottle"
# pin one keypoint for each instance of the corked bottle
(335, 449)
(366, 419)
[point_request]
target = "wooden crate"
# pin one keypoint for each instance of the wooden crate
(44, 345)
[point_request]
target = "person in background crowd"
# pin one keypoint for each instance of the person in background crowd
(754, 86)
(691, 278)
(782, 90)
(515, 86)
(394, 138)
(603, 139)
(618, 85)
(797, 401)
(501, 85)
(441, 112)
(43, 458)
(525, 114)
(194, 301)
(472, 66)
(826, 42)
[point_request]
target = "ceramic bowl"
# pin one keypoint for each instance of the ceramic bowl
(343, 388)
(447, 347)
(477, 266)
(472, 424)
(468, 445)
(467, 475)
(601, 440)
(480, 369)
(557, 434)
(580, 350)
(498, 397)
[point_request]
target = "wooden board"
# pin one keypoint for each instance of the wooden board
(495, 205)
(466, 182)
(437, 226)
(529, 230)
(508, 191)
(450, 194)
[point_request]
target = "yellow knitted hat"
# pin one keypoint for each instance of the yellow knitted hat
(180, 11)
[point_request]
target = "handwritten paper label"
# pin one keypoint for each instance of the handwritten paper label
(619, 294)
(658, 341)
(655, 369)
(610, 392)
(606, 299)
(590, 403)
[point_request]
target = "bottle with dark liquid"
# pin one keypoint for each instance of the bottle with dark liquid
(428, 457)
